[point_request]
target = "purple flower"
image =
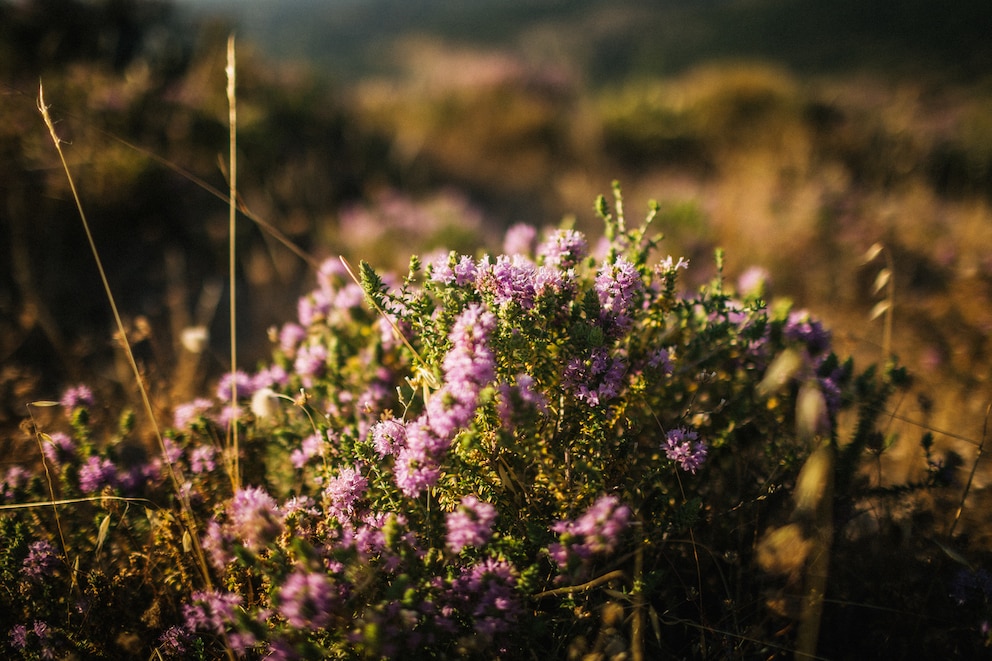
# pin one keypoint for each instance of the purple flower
(440, 269)
(19, 636)
(201, 459)
(174, 642)
(305, 599)
(520, 398)
(211, 611)
(243, 386)
(15, 478)
(487, 592)
(619, 286)
(519, 239)
(510, 279)
(58, 448)
(661, 358)
(95, 474)
(388, 436)
(597, 379)
(186, 414)
(470, 525)
(753, 281)
(344, 490)
(597, 531)
(40, 561)
(684, 448)
(310, 361)
(217, 542)
(76, 396)
(290, 337)
(313, 307)
(254, 518)
(273, 376)
(465, 271)
(415, 471)
(564, 249)
(800, 327)
(311, 446)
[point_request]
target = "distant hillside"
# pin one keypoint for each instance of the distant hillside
(611, 38)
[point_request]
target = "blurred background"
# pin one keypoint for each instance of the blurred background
(793, 133)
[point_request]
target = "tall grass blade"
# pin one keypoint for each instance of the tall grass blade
(232, 256)
(171, 469)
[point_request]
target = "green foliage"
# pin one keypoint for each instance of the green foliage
(475, 464)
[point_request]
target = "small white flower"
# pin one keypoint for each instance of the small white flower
(264, 403)
(194, 338)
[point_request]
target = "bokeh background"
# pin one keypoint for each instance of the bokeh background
(793, 133)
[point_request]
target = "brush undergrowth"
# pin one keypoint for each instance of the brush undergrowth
(556, 452)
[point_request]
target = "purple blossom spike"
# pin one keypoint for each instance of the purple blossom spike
(388, 436)
(470, 524)
(97, 473)
(619, 286)
(40, 561)
(254, 518)
(564, 249)
(684, 448)
(305, 599)
(77, 396)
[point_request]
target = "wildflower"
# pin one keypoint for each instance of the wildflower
(597, 379)
(563, 250)
(519, 239)
(95, 474)
(487, 591)
(18, 636)
(194, 339)
(291, 335)
(313, 307)
(439, 268)
(618, 285)
(217, 542)
(40, 561)
(174, 642)
(305, 600)
(15, 478)
(800, 327)
(415, 470)
(520, 397)
(470, 524)
(202, 459)
(243, 386)
(310, 362)
(510, 279)
(684, 448)
(670, 265)
(254, 518)
(344, 490)
(264, 403)
(311, 446)
(661, 358)
(77, 396)
(465, 271)
(388, 436)
(273, 376)
(211, 611)
(186, 414)
(753, 281)
(58, 448)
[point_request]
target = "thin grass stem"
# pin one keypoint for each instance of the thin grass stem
(172, 470)
(232, 102)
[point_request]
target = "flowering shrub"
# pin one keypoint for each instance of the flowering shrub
(492, 452)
